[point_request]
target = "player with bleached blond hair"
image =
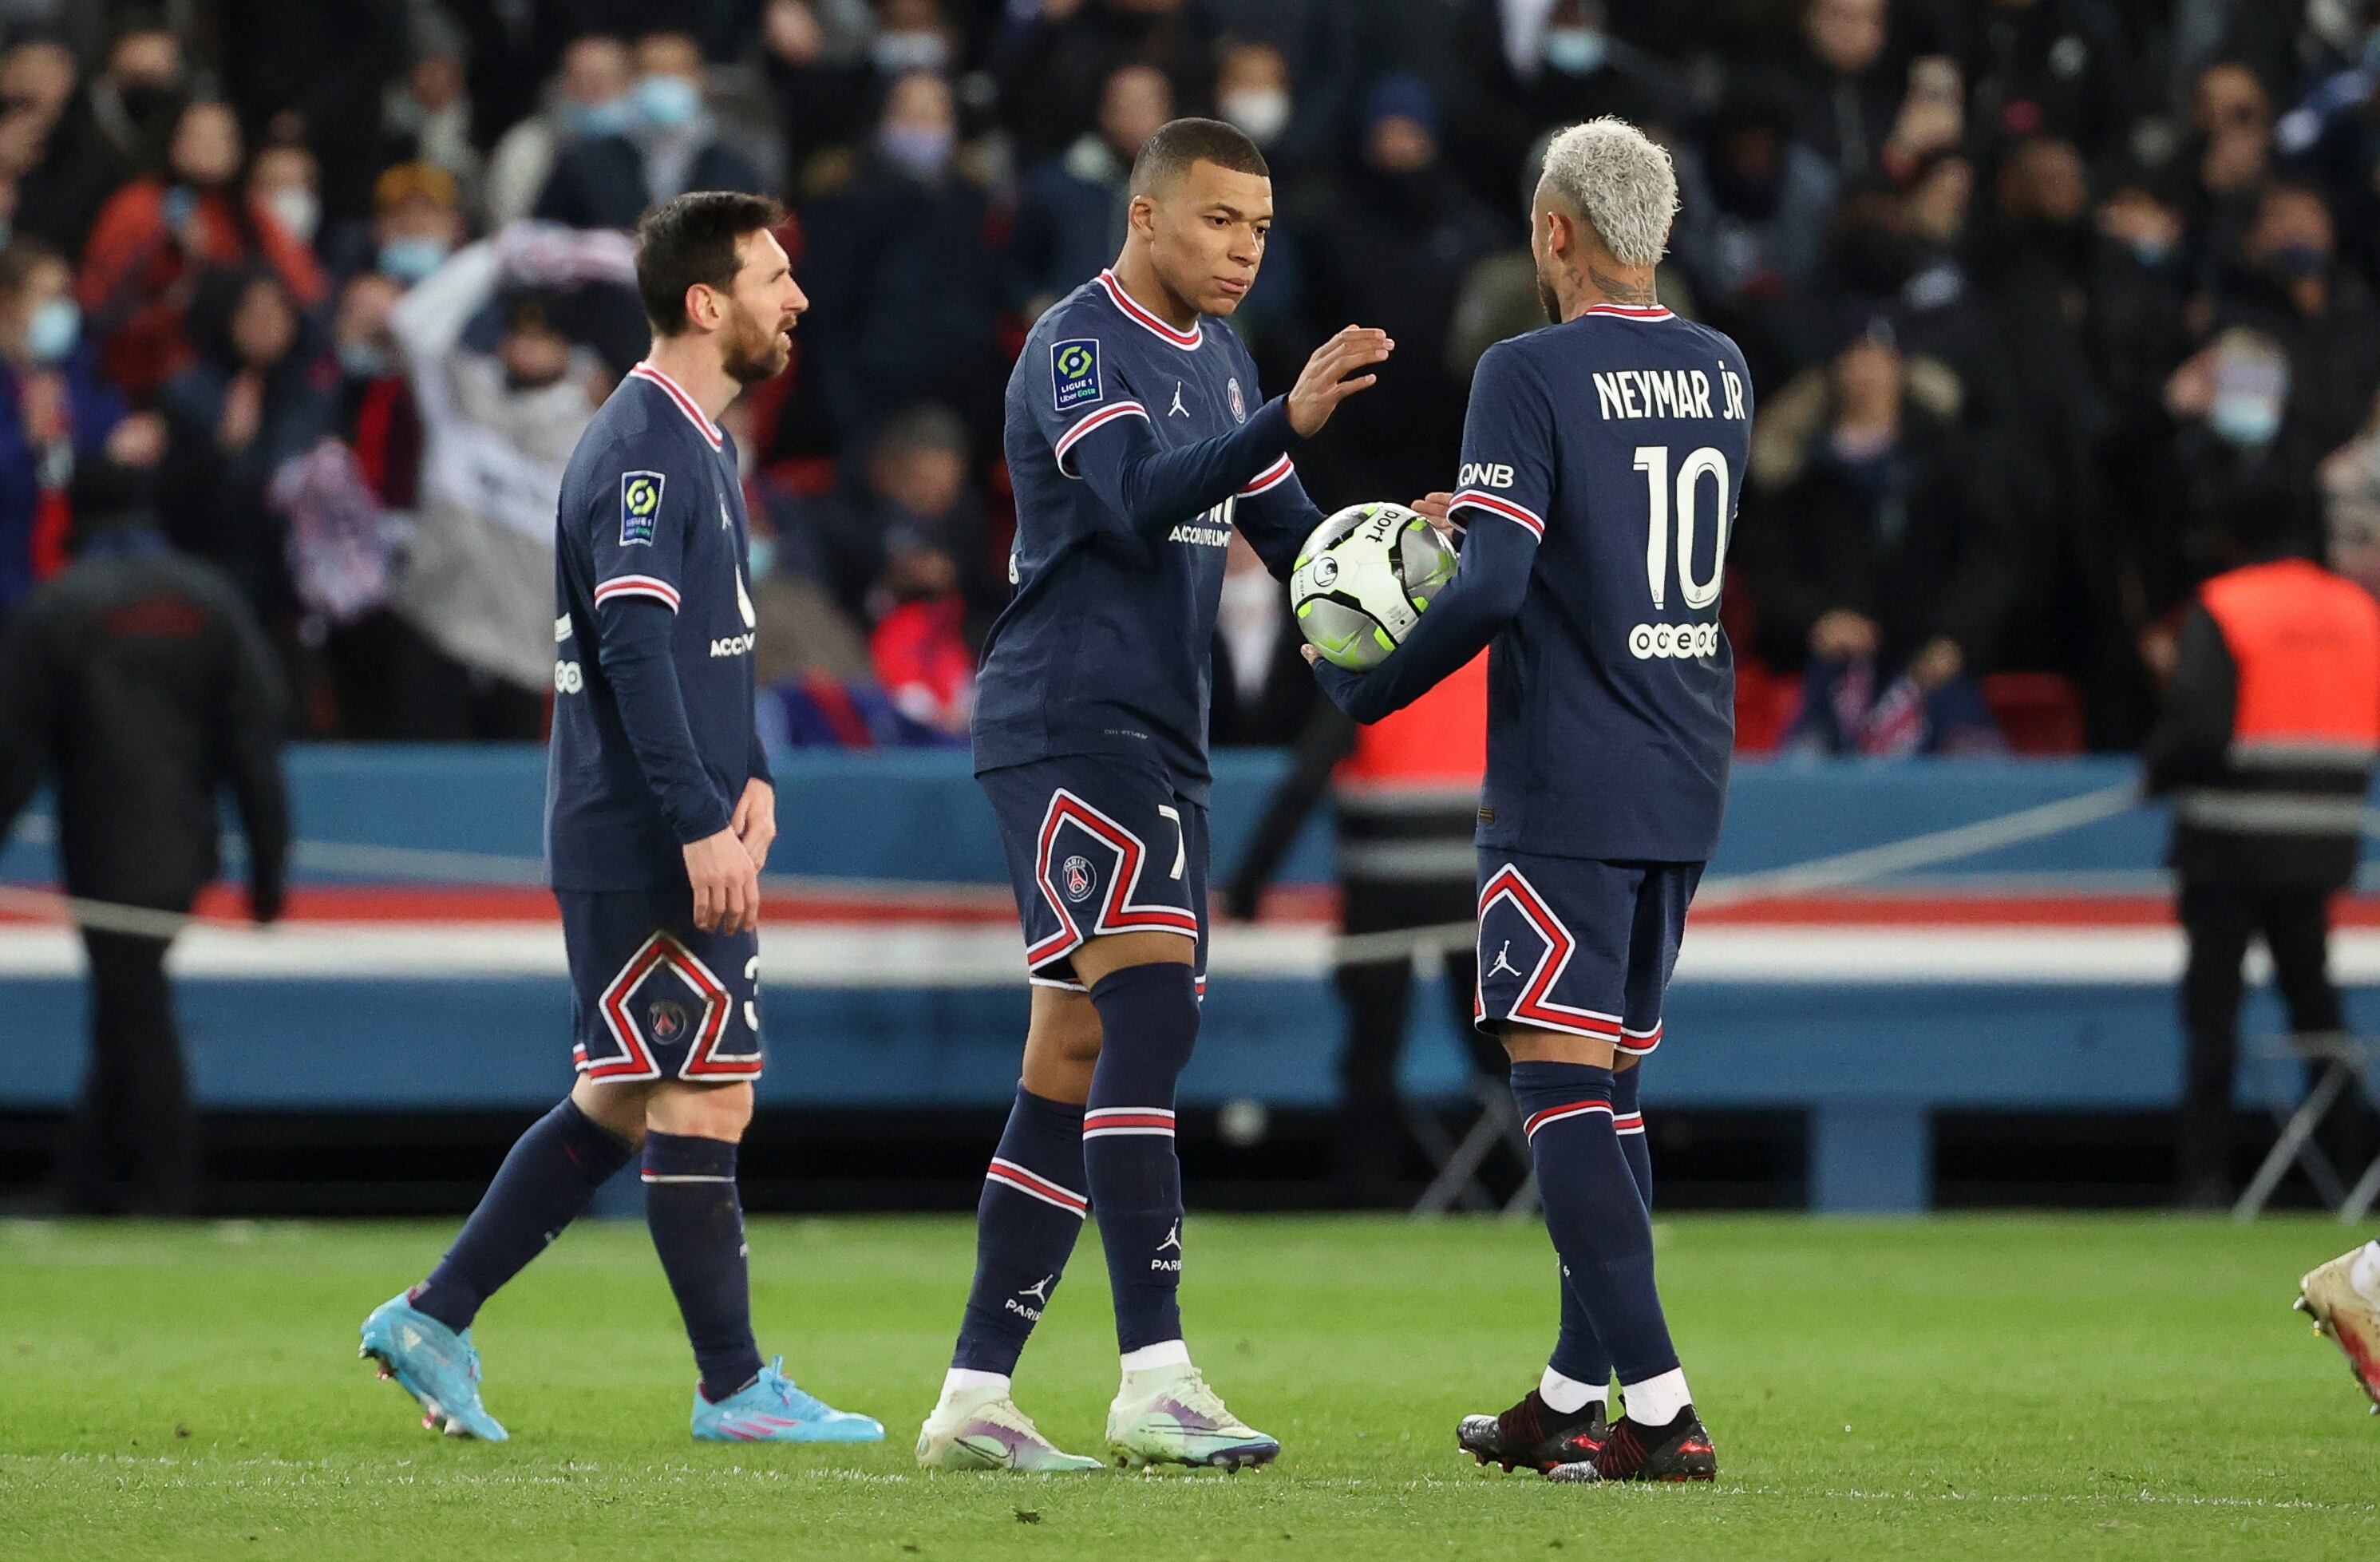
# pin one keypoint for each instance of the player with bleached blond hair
(1601, 459)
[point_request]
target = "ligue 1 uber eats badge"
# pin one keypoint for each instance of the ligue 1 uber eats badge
(640, 506)
(1075, 372)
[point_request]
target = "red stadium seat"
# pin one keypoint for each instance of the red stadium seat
(2040, 712)
(1765, 703)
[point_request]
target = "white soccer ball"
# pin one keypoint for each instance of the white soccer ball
(1363, 579)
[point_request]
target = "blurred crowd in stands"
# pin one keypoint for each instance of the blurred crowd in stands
(2033, 290)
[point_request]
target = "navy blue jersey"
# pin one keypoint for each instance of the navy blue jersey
(1617, 440)
(1134, 449)
(652, 751)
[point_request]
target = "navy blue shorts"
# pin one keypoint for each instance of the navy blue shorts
(1098, 843)
(655, 997)
(1572, 944)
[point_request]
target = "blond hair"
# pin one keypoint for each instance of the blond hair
(1620, 181)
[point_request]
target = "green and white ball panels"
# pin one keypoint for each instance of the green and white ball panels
(1363, 579)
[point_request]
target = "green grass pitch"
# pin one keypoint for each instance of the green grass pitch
(1954, 1388)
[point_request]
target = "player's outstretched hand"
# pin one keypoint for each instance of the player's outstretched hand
(726, 883)
(755, 823)
(1324, 383)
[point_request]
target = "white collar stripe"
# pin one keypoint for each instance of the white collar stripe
(686, 404)
(1147, 321)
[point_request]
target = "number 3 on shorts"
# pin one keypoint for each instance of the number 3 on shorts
(1180, 854)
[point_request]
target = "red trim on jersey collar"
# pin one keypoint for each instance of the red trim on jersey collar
(686, 404)
(1628, 311)
(1147, 321)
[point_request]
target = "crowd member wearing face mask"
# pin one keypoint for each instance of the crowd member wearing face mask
(667, 144)
(1252, 92)
(904, 285)
(154, 235)
(417, 222)
(588, 97)
(376, 417)
(55, 412)
(2288, 283)
(1520, 65)
(2240, 423)
(285, 181)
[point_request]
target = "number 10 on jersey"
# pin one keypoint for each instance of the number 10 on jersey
(1652, 460)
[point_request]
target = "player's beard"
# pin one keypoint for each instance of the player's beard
(755, 353)
(1548, 302)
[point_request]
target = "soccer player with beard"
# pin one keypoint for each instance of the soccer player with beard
(1601, 460)
(1137, 442)
(658, 815)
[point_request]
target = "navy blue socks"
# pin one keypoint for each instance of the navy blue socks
(1148, 1020)
(1598, 1220)
(1628, 1122)
(1578, 1354)
(545, 1183)
(1034, 1197)
(698, 1227)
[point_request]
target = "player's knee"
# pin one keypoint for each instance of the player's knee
(1076, 1039)
(701, 1112)
(1150, 1017)
(619, 1108)
(1065, 1028)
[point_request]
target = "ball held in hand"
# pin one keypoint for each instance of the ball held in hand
(1363, 579)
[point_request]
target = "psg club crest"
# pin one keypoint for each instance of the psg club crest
(666, 1020)
(1075, 874)
(1239, 402)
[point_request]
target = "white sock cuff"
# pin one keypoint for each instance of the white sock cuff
(1658, 1399)
(967, 1381)
(2365, 1273)
(1164, 1353)
(1568, 1394)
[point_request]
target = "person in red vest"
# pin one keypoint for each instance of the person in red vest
(1405, 797)
(2266, 748)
